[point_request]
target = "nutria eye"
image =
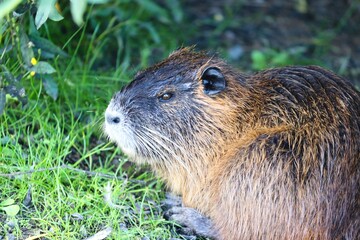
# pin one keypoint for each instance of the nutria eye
(165, 96)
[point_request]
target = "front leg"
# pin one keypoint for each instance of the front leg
(193, 220)
(189, 218)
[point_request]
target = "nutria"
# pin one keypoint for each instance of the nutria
(274, 155)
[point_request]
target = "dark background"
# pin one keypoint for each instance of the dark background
(324, 32)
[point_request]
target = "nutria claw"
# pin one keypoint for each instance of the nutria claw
(192, 220)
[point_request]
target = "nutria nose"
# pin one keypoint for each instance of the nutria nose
(112, 118)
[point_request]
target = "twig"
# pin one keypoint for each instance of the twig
(37, 237)
(14, 174)
(108, 198)
(101, 235)
(93, 174)
(64, 166)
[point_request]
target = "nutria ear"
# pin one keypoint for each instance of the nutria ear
(213, 81)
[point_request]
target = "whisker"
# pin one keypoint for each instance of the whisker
(162, 141)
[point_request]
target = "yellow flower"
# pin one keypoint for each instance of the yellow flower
(33, 61)
(57, 6)
(32, 73)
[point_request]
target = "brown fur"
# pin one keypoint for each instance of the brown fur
(274, 156)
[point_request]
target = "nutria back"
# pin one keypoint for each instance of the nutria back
(274, 155)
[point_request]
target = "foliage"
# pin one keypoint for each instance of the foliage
(270, 57)
(127, 33)
(125, 27)
(20, 54)
(9, 207)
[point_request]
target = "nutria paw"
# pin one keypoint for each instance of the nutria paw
(192, 220)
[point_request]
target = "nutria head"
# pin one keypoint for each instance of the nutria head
(181, 109)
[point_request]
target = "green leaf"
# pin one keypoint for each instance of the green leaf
(51, 87)
(7, 202)
(77, 8)
(258, 60)
(14, 87)
(152, 31)
(2, 101)
(7, 152)
(4, 141)
(11, 210)
(26, 50)
(43, 12)
(154, 9)
(21, 10)
(175, 8)
(8, 76)
(16, 92)
(7, 6)
(43, 68)
(281, 59)
(55, 15)
(46, 46)
(97, 1)
(3, 27)
(32, 28)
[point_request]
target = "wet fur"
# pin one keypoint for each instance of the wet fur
(274, 156)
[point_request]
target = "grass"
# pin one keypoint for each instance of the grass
(66, 163)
